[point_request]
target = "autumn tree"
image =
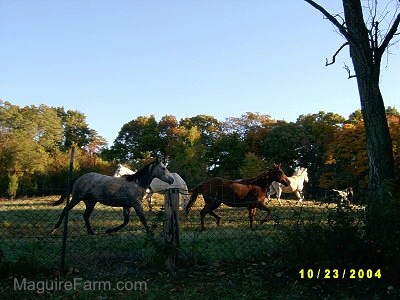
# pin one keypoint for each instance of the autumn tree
(349, 159)
(207, 125)
(167, 129)
(187, 154)
(368, 40)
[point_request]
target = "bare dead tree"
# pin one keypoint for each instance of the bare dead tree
(368, 41)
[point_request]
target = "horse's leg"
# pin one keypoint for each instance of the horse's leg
(148, 198)
(67, 208)
(208, 209)
(86, 215)
(126, 211)
(270, 192)
(263, 207)
(278, 195)
(252, 214)
(299, 196)
(139, 211)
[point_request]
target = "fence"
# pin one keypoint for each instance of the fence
(27, 225)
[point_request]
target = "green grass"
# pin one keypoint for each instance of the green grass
(229, 261)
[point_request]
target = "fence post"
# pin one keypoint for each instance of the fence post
(171, 228)
(64, 239)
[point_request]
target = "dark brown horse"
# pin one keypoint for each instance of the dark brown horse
(250, 193)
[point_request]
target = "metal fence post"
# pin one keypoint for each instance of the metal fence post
(64, 239)
(171, 228)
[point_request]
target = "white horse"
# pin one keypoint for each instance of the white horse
(121, 171)
(158, 186)
(296, 186)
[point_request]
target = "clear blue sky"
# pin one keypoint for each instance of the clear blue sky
(115, 60)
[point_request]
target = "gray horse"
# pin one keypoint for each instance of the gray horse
(125, 192)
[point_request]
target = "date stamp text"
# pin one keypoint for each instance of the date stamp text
(321, 273)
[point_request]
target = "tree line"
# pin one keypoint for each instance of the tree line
(35, 144)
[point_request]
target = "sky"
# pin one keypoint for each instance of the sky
(116, 60)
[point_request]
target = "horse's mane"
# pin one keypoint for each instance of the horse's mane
(256, 179)
(300, 172)
(140, 176)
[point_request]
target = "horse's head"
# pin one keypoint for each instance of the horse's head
(277, 174)
(305, 174)
(160, 171)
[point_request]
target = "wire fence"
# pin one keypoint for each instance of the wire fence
(27, 225)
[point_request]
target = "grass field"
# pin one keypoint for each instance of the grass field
(239, 261)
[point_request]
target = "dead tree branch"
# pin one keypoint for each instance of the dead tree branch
(334, 21)
(336, 53)
(391, 33)
(346, 67)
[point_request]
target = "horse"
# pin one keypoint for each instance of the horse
(296, 186)
(121, 171)
(126, 192)
(248, 193)
(344, 196)
(159, 186)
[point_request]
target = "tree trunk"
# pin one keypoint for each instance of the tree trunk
(366, 61)
(367, 67)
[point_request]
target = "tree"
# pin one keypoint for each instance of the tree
(252, 165)
(284, 143)
(226, 156)
(187, 154)
(167, 126)
(208, 126)
(368, 42)
(349, 157)
(136, 139)
(28, 137)
(76, 129)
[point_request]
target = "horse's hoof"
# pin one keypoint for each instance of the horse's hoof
(54, 231)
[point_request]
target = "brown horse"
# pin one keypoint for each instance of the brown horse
(249, 193)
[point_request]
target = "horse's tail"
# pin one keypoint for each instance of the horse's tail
(64, 195)
(61, 200)
(193, 197)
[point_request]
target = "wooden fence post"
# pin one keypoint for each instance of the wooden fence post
(64, 237)
(171, 228)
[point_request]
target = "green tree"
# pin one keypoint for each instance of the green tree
(252, 165)
(320, 130)
(28, 136)
(226, 156)
(76, 130)
(136, 139)
(284, 143)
